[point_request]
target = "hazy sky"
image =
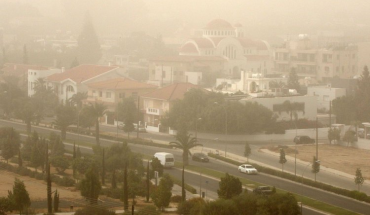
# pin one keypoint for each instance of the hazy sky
(124, 16)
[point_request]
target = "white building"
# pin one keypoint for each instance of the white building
(76, 79)
(324, 95)
(35, 74)
(307, 111)
(220, 38)
(193, 77)
(249, 83)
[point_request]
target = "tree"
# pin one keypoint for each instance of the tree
(183, 193)
(229, 186)
(76, 99)
(45, 99)
(293, 80)
(156, 166)
(147, 184)
(315, 166)
(342, 108)
(38, 153)
(56, 201)
(362, 96)
(65, 116)
(89, 50)
(185, 142)
(74, 63)
(161, 196)
(333, 134)
(25, 55)
(350, 137)
(9, 148)
(19, 196)
(220, 207)
(359, 179)
(57, 146)
(247, 151)
(27, 111)
(282, 159)
(60, 163)
(292, 108)
(6, 205)
(90, 186)
(97, 110)
(127, 112)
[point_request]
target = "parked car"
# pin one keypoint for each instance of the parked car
(262, 190)
(303, 140)
(247, 168)
(141, 128)
(200, 157)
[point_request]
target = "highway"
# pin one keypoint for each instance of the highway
(293, 187)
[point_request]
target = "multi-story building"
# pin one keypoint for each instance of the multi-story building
(160, 101)
(324, 95)
(34, 75)
(69, 82)
(112, 91)
(316, 62)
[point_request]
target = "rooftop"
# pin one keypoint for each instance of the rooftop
(121, 84)
(81, 73)
(15, 69)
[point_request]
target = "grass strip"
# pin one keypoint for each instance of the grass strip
(305, 200)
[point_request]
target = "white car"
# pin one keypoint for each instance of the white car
(247, 168)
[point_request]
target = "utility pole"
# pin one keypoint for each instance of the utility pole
(138, 116)
(330, 114)
(147, 182)
(48, 181)
(317, 139)
(103, 168)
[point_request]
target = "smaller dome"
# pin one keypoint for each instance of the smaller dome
(188, 48)
(218, 24)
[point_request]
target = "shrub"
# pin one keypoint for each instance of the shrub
(94, 210)
(112, 193)
(176, 198)
(67, 182)
(148, 210)
(39, 176)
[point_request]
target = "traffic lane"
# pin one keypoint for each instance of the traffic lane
(297, 188)
(213, 185)
(277, 182)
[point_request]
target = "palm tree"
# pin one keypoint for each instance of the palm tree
(292, 108)
(66, 116)
(185, 142)
(97, 110)
(77, 99)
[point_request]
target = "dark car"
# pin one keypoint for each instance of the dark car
(303, 140)
(200, 157)
(262, 190)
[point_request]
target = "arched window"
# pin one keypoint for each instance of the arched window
(70, 88)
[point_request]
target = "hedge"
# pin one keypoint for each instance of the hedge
(344, 192)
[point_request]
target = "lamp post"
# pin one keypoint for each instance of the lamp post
(78, 125)
(225, 127)
(295, 150)
(196, 127)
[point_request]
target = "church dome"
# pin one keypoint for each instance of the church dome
(218, 24)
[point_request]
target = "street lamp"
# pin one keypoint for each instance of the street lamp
(225, 126)
(196, 127)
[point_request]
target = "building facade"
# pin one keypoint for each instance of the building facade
(324, 95)
(319, 63)
(35, 75)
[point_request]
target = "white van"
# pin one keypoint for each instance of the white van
(166, 159)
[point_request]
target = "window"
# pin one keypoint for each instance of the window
(108, 95)
(100, 94)
(70, 88)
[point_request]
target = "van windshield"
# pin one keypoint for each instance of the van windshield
(169, 159)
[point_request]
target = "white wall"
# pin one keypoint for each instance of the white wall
(310, 104)
(325, 94)
(193, 77)
(33, 75)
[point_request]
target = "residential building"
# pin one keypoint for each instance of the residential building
(112, 91)
(76, 79)
(250, 83)
(19, 71)
(160, 101)
(316, 62)
(307, 104)
(34, 75)
(172, 69)
(324, 95)
(220, 38)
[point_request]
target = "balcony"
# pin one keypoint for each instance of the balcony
(154, 111)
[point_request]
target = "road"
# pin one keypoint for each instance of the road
(293, 187)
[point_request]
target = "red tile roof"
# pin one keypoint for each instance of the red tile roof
(171, 92)
(14, 69)
(246, 43)
(121, 84)
(189, 48)
(81, 73)
(203, 43)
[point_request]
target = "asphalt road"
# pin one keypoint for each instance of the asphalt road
(313, 193)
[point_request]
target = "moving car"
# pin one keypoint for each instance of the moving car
(166, 159)
(200, 157)
(303, 140)
(247, 168)
(262, 190)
